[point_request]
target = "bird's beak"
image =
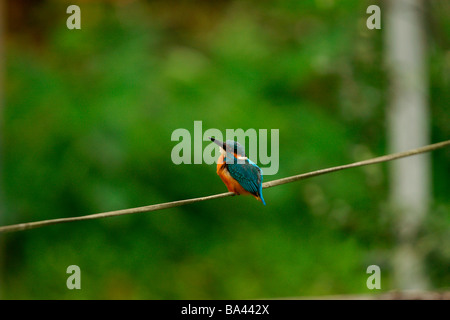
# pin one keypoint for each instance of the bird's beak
(219, 143)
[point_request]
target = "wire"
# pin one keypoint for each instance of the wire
(167, 205)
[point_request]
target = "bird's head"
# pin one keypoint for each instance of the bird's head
(231, 147)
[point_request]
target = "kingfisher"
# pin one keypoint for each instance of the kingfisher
(237, 171)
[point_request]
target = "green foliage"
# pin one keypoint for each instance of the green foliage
(88, 122)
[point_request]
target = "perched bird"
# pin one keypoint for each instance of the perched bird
(237, 171)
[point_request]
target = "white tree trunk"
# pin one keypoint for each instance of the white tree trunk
(408, 127)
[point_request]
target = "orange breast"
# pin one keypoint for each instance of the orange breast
(230, 182)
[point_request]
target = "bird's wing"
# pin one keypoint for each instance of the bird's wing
(248, 175)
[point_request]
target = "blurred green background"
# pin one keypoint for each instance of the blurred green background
(88, 117)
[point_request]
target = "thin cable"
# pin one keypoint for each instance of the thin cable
(167, 205)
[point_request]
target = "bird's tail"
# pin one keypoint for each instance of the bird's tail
(260, 198)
